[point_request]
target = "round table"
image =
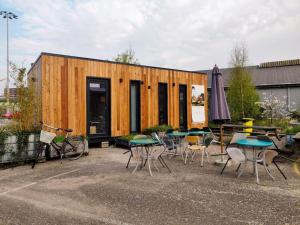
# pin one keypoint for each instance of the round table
(180, 136)
(146, 143)
(255, 143)
(200, 132)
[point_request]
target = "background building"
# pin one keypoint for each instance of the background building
(281, 78)
(103, 99)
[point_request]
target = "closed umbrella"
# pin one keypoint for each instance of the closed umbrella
(218, 111)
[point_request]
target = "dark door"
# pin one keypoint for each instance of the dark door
(135, 107)
(183, 107)
(98, 107)
(162, 103)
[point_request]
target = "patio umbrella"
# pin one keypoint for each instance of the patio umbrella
(218, 111)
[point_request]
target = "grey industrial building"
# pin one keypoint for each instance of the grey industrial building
(281, 78)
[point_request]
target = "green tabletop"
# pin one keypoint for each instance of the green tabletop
(146, 141)
(178, 134)
(254, 143)
(200, 132)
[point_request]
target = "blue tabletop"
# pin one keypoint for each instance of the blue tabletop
(146, 141)
(178, 134)
(200, 132)
(254, 143)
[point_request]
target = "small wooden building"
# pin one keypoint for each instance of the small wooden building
(103, 99)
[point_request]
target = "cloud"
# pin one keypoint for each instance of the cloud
(186, 34)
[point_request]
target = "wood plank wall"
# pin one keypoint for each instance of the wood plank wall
(64, 92)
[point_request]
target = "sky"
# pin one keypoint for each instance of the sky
(181, 34)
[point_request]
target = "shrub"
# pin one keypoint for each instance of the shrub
(292, 130)
(157, 128)
(127, 137)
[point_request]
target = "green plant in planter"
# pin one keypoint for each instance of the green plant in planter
(3, 137)
(127, 137)
(157, 128)
(22, 144)
(28, 102)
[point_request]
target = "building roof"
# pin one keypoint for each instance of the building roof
(109, 61)
(269, 74)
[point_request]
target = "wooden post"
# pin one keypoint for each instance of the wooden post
(221, 138)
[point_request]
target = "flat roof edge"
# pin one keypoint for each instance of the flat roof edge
(112, 62)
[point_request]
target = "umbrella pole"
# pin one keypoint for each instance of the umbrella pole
(222, 161)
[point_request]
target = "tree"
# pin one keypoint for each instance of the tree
(127, 57)
(27, 101)
(242, 95)
(274, 108)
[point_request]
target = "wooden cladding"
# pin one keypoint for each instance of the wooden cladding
(63, 92)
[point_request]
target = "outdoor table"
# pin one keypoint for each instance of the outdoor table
(255, 143)
(146, 143)
(180, 136)
(199, 132)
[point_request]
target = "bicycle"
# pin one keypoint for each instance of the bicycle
(70, 147)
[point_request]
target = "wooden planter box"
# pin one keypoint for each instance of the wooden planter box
(122, 143)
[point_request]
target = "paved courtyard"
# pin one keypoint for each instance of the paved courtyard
(99, 190)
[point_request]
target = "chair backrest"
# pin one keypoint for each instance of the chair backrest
(269, 156)
(140, 136)
(264, 138)
(207, 129)
(236, 155)
(237, 136)
(192, 140)
(155, 137)
(208, 140)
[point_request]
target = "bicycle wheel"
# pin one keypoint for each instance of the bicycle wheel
(74, 147)
(39, 151)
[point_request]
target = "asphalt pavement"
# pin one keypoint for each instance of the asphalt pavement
(98, 189)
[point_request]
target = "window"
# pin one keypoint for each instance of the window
(162, 103)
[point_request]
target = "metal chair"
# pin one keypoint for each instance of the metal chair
(235, 138)
(132, 151)
(237, 156)
(193, 147)
(266, 158)
(167, 142)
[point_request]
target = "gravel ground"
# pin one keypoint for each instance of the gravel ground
(98, 189)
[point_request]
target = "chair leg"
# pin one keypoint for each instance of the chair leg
(161, 162)
(256, 173)
(237, 169)
(225, 165)
(154, 164)
(268, 171)
(202, 157)
(128, 161)
(242, 170)
(280, 170)
(192, 156)
(149, 167)
(186, 156)
(207, 155)
(136, 166)
(165, 163)
(145, 162)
